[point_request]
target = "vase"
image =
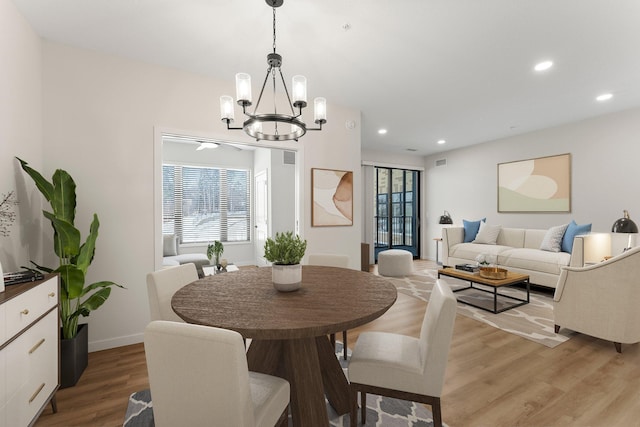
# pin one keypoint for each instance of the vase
(74, 356)
(286, 278)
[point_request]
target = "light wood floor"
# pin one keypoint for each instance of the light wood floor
(493, 378)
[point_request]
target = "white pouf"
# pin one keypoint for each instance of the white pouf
(395, 262)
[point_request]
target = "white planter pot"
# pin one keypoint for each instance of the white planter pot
(286, 278)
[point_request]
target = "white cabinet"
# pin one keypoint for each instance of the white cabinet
(29, 350)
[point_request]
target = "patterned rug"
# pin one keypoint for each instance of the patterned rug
(381, 411)
(533, 321)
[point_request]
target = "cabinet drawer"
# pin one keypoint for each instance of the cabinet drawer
(32, 359)
(24, 309)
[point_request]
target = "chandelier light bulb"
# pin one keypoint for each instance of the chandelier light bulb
(226, 108)
(299, 85)
(243, 88)
(320, 110)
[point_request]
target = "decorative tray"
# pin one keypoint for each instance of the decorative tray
(493, 273)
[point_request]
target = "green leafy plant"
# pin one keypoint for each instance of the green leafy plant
(285, 249)
(76, 299)
(215, 249)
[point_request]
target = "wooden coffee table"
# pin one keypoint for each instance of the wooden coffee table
(511, 279)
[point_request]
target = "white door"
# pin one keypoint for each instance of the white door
(261, 186)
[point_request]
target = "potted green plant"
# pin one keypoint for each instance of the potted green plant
(285, 252)
(76, 298)
(215, 249)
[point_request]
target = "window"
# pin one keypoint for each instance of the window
(202, 204)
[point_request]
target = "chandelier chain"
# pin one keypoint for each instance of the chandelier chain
(274, 30)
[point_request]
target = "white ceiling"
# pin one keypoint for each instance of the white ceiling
(459, 70)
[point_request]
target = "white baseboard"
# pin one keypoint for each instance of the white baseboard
(115, 342)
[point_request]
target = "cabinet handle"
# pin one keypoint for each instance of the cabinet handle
(34, 395)
(25, 311)
(35, 347)
(52, 294)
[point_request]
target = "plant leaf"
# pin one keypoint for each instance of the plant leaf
(88, 249)
(72, 281)
(93, 302)
(67, 237)
(64, 196)
(45, 187)
(103, 284)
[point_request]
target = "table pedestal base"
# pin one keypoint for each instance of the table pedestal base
(311, 367)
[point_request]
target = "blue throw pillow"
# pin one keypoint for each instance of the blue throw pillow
(572, 231)
(471, 229)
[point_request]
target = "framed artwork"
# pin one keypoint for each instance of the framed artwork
(331, 197)
(535, 185)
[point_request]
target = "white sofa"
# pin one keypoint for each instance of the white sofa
(516, 249)
(171, 256)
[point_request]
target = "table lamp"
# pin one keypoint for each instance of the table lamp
(625, 225)
(446, 219)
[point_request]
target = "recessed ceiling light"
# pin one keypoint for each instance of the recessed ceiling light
(604, 97)
(382, 131)
(543, 66)
(442, 141)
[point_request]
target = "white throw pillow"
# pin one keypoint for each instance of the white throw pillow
(552, 241)
(169, 247)
(488, 234)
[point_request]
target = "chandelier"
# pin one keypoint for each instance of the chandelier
(273, 126)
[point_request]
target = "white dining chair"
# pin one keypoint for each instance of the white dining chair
(404, 367)
(162, 284)
(199, 377)
(332, 260)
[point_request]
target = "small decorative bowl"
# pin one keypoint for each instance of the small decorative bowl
(493, 273)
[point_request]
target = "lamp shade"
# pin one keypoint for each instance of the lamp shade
(624, 225)
(445, 218)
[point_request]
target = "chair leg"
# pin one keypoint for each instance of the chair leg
(437, 413)
(354, 407)
(344, 346)
(618, 347)
(332, 339)
(363, 407)
(556, 328)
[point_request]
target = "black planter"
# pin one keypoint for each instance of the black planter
(74, 356)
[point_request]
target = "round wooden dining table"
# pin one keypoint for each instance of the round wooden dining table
(289, 329)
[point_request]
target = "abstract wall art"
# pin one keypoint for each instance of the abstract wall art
(535, 185)
(332, 197)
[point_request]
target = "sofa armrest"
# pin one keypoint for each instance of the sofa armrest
(450, 236)
(577, 253)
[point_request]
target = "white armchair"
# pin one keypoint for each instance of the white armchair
(601, 300)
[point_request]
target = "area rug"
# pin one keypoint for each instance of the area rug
(533, 321)
(381, 411)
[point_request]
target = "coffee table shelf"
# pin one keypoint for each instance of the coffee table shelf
(475, 278)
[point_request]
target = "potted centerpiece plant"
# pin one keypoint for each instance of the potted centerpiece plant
(285, 252)
(76, 298)
(214, 250)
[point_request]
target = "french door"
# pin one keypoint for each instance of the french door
(397, 210)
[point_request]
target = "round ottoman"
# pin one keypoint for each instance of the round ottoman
(395, 262)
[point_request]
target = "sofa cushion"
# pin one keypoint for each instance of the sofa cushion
(169, 245)
(471, 229)
(553, 239)
(534, 259)
(572, 231)
(488, 234)
(471, 250)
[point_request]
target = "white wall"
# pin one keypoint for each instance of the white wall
(102, 115)
(20, 134)
(604, 159)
